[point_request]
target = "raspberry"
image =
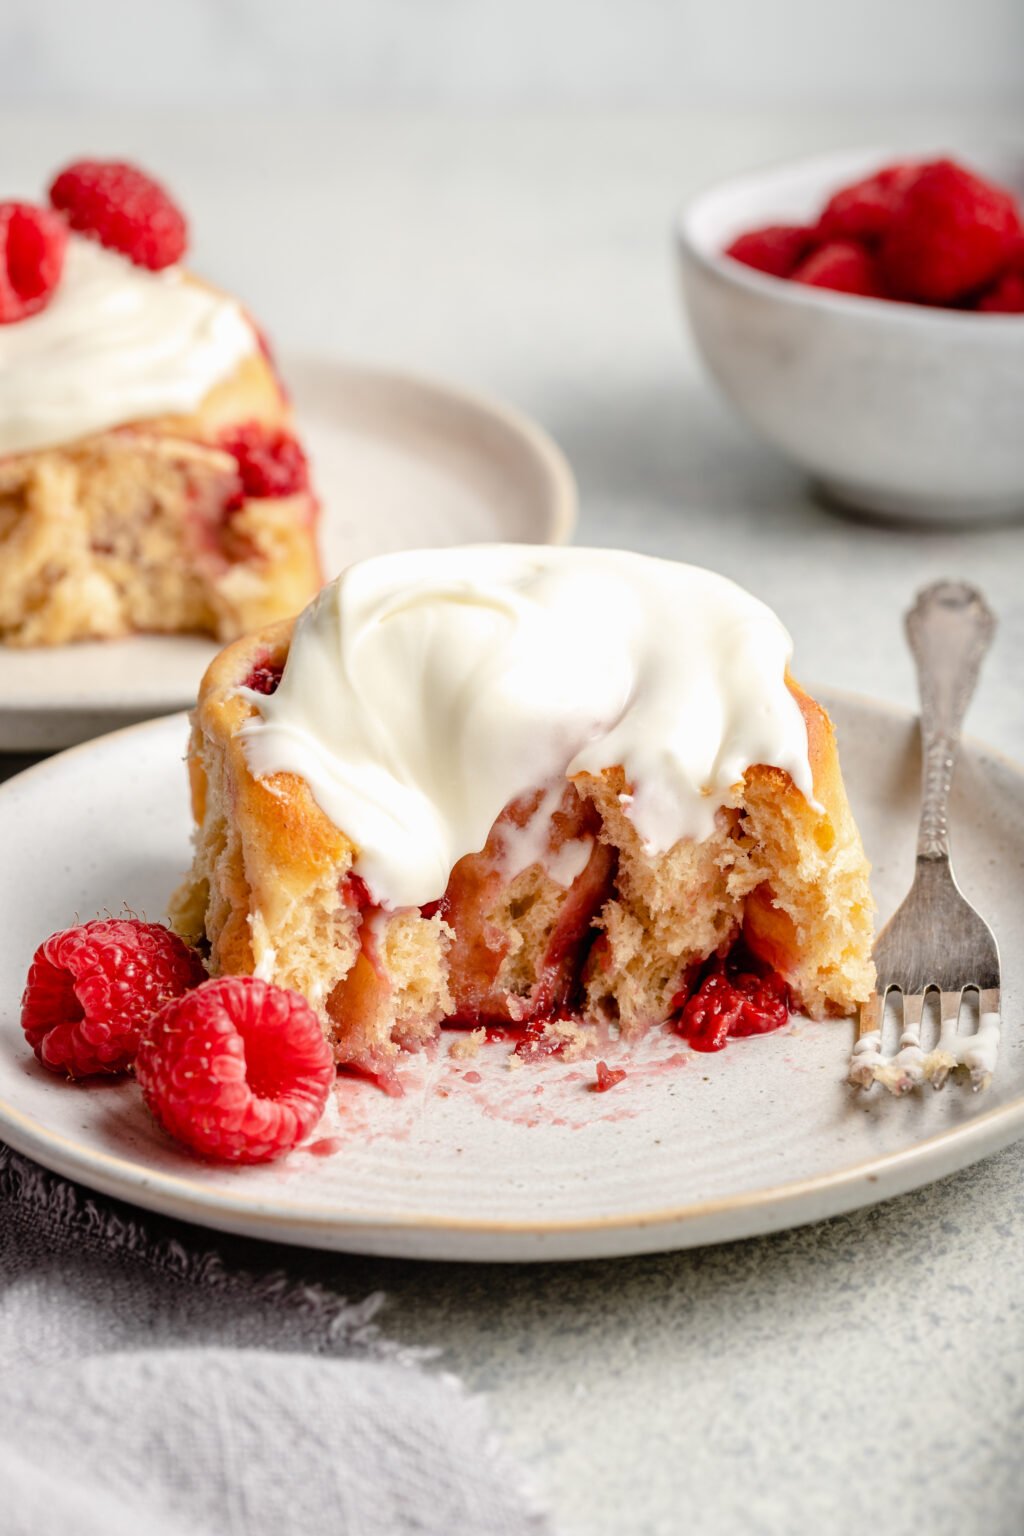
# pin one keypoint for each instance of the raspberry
(270, 462)
(843, 267)
(951, 233)
(743, 1003)
(264, 677)
(122, 208)
(32, 244)
(238, 1070)
(864, 210)
(91, 989)
(607, 1077)
(1006, 297)
(776, 249)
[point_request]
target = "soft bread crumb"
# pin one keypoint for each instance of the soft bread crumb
(465, 1047)
(576, 1040)
(125, 531)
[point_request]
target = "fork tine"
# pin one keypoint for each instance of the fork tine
(949, 1028)
(910, 1066)
(913, 1010)
(950, 1002)
(871, 1014)
(906, 1069)
(867, 1050)
(979, 1056)
(902, 1071)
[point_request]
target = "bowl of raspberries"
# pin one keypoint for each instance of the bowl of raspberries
(865, 313)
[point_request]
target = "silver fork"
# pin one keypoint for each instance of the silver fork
(936, 942)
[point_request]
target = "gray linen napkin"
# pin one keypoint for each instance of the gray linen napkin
(149, 1386)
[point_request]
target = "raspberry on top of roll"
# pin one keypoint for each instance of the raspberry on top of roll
(539, 790)
(134, 401)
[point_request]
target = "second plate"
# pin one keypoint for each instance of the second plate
(399, 462)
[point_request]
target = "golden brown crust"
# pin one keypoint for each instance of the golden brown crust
(822, 752)
(287, 834)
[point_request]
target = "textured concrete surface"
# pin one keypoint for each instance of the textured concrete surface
(861, 1374)
(864, 1374)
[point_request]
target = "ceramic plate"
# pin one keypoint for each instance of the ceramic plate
(478, 1161)
(399, 462)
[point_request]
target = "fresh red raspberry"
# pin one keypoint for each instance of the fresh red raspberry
(91, 989)
(864, 210)
(32, 245)
(1005, 297)
(724, 1005)
(122, 208)
(238, 1070)
(843, 267)
(952, 233)
(270, 462)
(776, 249)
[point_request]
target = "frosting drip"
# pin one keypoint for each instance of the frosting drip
(116, 344)
(426, 690)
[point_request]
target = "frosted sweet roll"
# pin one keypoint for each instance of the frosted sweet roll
(150, 479)
(551, 791)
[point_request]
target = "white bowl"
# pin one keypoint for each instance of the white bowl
(891, 408)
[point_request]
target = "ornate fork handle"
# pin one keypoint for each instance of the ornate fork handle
(949, 628)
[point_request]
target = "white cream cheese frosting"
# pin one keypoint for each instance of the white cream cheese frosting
(426, 690)
(116, 344)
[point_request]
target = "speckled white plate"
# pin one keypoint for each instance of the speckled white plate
(480, 1162)
(399, 463)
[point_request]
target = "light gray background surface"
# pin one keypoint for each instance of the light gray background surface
(866, 1374)
(510, 53)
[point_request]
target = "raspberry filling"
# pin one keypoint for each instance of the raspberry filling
(270, 463)
(736, 997)
(535, 1042)
(265, 677)
(607, 1077)
(355, 893)
(718, 998)
(481, 945)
